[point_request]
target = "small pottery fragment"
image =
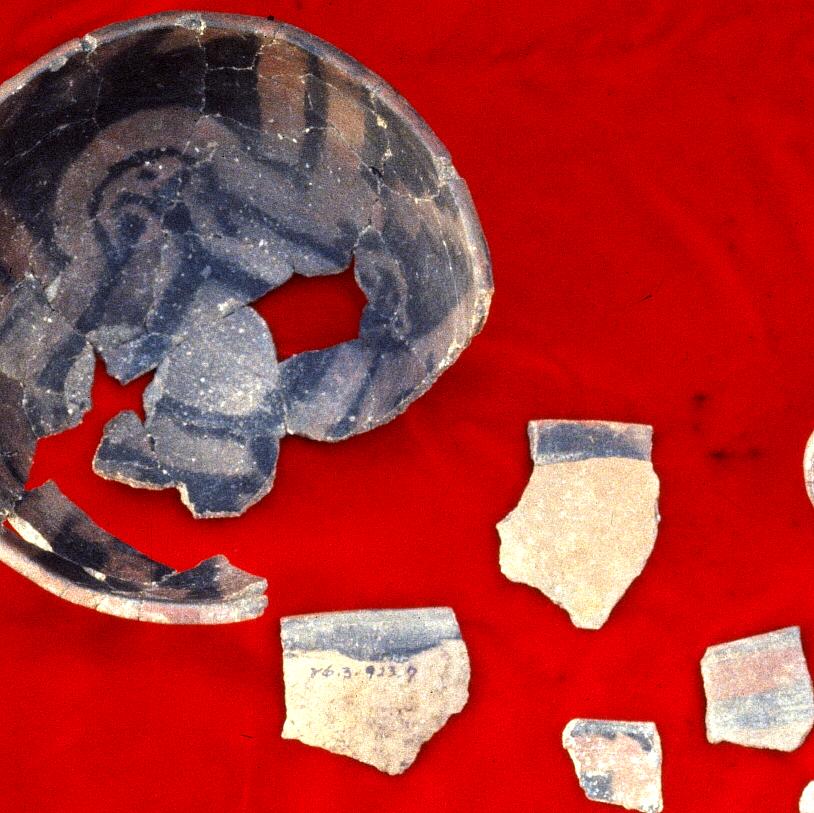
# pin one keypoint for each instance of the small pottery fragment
(759, 691)
(373, 685)
(617, 762)
(587, 521)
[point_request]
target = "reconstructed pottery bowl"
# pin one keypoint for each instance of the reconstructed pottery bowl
(160, 175)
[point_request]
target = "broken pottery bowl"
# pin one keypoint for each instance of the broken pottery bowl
(160, 175)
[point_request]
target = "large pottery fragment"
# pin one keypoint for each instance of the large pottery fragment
(587, 521)
(374, 685)
(157, 178)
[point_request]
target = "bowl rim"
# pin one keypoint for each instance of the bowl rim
(448, 176)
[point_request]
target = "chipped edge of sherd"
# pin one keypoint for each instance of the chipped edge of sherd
(753, 643)
(619, 726)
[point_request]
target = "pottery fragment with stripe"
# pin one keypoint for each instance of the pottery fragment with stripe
(214, 419)
(157, 177)
(759, 691)
(60, 548)
(373, 685)
(587, 521)
(617, 762)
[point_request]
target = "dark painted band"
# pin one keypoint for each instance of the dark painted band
(568, 441)
(611, 729)
(371, 635)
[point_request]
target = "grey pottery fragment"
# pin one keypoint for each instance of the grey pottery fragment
(807, 799)
(588, 518)
(373, 685)
(64, 552)
(214, 420)
(759, 691)
(617, 762)
(161, 174)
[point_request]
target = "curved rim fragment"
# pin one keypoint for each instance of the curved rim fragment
(249, 24)
(63, 551)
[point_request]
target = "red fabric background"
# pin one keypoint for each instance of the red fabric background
(644, 173)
